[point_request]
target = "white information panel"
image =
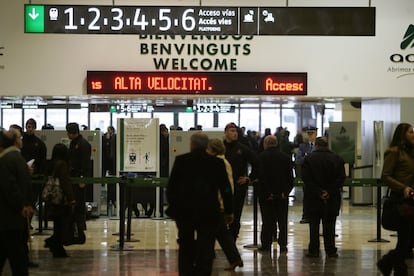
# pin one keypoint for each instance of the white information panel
(138, 144)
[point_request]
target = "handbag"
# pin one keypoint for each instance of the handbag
(390, 214)
(52, 192)
(396, 209)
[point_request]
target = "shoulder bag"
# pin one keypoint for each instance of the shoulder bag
(52, 192)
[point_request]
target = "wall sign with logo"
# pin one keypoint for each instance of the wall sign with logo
(402, 61)
(138, 144)
(200, 20)
(198, 83)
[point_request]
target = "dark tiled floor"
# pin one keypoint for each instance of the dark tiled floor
(156, 251)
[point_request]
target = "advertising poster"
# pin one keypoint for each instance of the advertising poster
(342, 140)
(138, 144)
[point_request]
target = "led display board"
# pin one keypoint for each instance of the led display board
(199, 20)
(197, 83)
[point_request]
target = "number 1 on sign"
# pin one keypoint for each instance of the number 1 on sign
(70, 25)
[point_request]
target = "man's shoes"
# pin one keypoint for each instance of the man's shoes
(264, 249)
(283, 249)
(304, 221)
(312, 255)
(332, 255)
(234, 265)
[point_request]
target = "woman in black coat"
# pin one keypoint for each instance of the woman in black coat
(59, 169)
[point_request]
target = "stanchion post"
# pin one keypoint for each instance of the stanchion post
(255, 210)
(122, 186)
(379, 204)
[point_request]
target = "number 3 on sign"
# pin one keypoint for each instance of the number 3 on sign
(140, 20)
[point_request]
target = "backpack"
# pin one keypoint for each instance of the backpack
(52, 192)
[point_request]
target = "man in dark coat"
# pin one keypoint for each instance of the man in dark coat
(192, 192)
(240, 157)
(323, 173)
(275, 184)
(80, 166)
(15, 204)
(34, 148)
(303, 150)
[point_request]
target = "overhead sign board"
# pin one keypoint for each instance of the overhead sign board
(197, 83)
(200, 20)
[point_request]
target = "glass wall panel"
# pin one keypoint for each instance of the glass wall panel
(37, 114)
(206, 120)
(270, 119)
(12, 116)
(332, 114)
(225, 118)
(186, 120)
(290, 121)
(57, 118)
(249, 118)
(166, 118)
(100, 120)
(115, 117)
(79, 116)
(141, 115)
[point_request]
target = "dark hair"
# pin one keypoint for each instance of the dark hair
(399, 139)
(72, 128)
(60, 152)
(60, 162)
(32, 122)
(321, 142)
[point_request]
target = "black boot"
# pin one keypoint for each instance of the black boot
(386, 263)
(400, 269)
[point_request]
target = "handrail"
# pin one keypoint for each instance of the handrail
(138, 182)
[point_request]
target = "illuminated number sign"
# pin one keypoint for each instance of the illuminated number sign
(199, 83)
(200, 20)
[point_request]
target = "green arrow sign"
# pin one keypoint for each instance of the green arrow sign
(34, 19)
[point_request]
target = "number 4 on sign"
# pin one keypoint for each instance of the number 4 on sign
(140, 20)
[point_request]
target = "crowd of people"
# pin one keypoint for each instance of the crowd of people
(199, 187)
(217, 174)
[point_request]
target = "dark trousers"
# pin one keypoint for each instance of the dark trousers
(328, 226)
(395, 258)
(274, 212)
(226, 241)
(12, 247)
(238, 204)
(196, 241)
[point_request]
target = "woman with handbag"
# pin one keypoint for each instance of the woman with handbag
(59, 171)
(398, 175)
